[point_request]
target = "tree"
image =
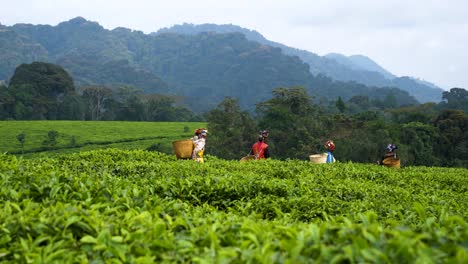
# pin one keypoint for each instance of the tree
(39, 89)
(7, 103)
(293, 121)
(358, 103)
(130, 105)
(51, 138)
(96, 99)
(72, 108)
(231, 131)
(364, 144)
(21, 137)
(340, 105)
(456, 98)
(390, 101)
(452, 142)
(419, 139)
(423, 113)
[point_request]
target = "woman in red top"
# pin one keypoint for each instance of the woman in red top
(260, 149)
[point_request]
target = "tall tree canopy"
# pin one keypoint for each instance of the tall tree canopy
(456, 98)
(231, 131)
(39, 90)
(293, 121)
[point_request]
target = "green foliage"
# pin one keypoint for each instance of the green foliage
(45, 79)
(293, 122)
(138, 206)
(161, 147)
(325, 87)
(390, 101)
(7, 103)
(361, 144)
(39, 90)
(80, 135)
(340, 105)
(347, 70)
(51, 139)
(115, 73)
(419, 139)
(128, 103)
(456, 98)
(72, 107)
(423, 113)
(452, 141)
(97, 100)
(21, 137)
(163, 108)
(73, 141)
(231, 131)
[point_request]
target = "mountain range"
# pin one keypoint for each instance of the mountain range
(202, 63)
(339, 67)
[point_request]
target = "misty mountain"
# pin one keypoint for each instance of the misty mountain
(16, 49)
(360, 63)
(201, 68)
(356, 68)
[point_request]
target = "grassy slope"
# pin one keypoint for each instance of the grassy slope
(91, 133)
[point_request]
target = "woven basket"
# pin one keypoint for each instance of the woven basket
(318, 158)
(183, 148)
(247, 158)
(391, 162)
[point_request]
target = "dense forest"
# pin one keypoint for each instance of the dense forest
(44, 91)
(428, 134)
(200, 69)
(356, 68)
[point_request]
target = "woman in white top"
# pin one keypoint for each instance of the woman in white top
(199, 144)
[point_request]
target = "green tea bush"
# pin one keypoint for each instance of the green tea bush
(143, 207)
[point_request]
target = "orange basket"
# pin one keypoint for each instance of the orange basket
(247, 158)
(183, 148)
(391, 162)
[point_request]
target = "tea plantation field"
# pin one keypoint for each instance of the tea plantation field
(135, 206)
(74, 136)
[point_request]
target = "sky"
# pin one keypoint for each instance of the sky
(425, 39)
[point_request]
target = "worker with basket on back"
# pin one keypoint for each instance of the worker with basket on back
(330, 147)
(199, 142)
(260, 148)
(390, 158)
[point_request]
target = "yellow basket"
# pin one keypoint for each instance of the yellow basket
(183, 148)
(318, 158)
(391, 162)
(247, 158)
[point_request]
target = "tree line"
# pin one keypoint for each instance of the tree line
(428, 134)
(44, 91)
(361, 126)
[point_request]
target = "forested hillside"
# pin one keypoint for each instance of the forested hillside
(356, 68)
(202, 69)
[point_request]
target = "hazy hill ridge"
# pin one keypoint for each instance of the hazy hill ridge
(203, 68)
(339, 67)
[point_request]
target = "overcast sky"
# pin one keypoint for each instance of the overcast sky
(426, 39)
